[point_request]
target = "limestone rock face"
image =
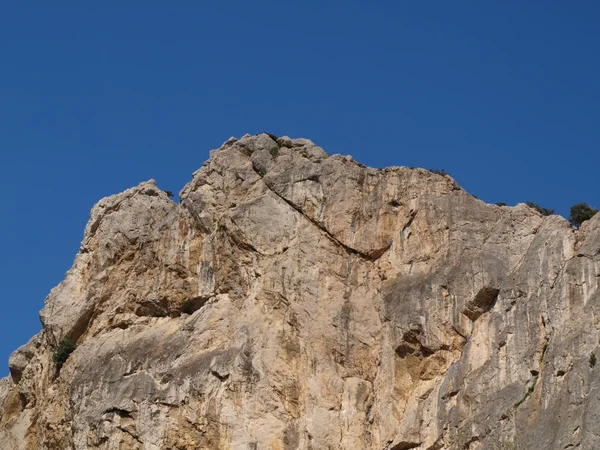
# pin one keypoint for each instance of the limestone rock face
(296, 300)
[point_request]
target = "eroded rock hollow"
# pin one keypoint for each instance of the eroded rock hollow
(296, 300)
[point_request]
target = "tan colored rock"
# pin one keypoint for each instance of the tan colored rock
(296, 300)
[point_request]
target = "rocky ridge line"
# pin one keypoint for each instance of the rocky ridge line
(296, 300)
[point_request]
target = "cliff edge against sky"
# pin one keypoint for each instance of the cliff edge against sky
(296, 300)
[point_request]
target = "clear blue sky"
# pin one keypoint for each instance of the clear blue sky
(505, 96)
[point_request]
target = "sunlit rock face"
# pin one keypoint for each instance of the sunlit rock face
(297, 300)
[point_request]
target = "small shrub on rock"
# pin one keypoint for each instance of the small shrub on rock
(580, 213)
(64, 350)
(543, 211)
(272, 136)
(441, 172)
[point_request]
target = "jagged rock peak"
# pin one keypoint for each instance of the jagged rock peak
(297, 300)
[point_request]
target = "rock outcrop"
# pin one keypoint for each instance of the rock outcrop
(296, 300)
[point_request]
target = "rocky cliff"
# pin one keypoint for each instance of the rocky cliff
(296, 300)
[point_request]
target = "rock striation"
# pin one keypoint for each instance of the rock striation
(297, 300)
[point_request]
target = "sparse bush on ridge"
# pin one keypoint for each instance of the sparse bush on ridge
(275, 150)
(543, 211)
(441, 172)
(581, 212)
(272, 136)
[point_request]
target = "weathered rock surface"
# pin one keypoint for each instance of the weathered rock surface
(296, 300)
